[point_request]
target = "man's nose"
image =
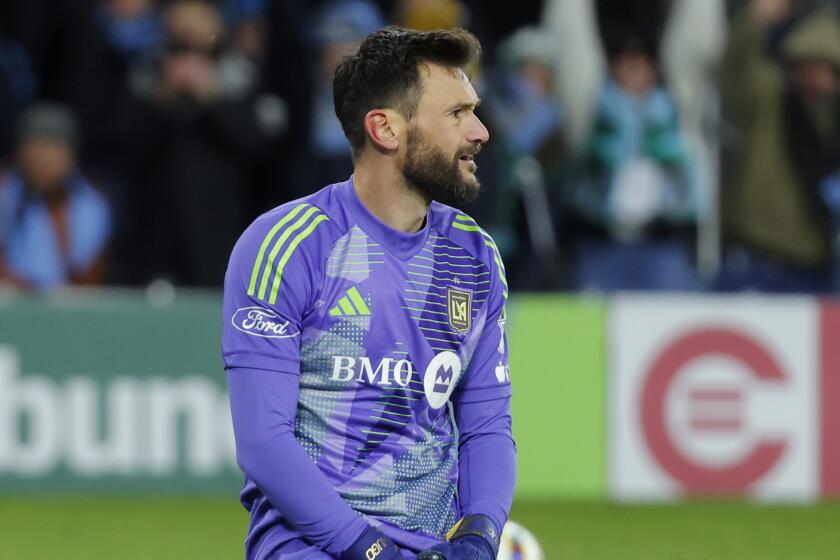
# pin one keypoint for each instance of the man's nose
(478, 132)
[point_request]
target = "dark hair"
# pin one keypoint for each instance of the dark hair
(384, 73)
(622, 39)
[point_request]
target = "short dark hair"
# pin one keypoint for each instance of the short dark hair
(384, 73)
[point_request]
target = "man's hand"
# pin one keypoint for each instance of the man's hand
(473, 538)
(372, 545)
(469, 547)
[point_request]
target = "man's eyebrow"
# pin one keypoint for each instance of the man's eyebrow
(464, 105)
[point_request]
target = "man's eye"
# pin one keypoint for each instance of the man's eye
(458, 113)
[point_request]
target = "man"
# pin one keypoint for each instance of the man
(55, 225)
(782, 93)
(364, 331)
(205, 125)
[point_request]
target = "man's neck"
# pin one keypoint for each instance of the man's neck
(388, 196)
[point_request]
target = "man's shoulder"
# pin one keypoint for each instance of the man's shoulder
(461, 229)
(318, 218)
(287, 243)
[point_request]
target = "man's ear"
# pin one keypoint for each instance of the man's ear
(383, 128)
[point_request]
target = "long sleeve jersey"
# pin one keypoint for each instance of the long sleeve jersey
(369, 376)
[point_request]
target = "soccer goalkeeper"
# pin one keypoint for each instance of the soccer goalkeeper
(364, 336)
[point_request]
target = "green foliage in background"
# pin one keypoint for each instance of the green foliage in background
(208, 529)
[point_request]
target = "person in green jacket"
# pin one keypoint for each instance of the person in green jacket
(781, 90)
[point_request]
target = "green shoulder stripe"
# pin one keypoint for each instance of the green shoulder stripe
(278, 274)
(465, 223)
(469, 225)
(275, 249)
(252, 286)
(465, 227)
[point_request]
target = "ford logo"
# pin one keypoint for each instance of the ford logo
(258, 321)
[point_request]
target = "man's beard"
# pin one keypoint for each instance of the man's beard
(435, 176)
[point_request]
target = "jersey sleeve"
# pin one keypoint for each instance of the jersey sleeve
(486, 459)
(487, 376)
(263, 409)
(270, 285)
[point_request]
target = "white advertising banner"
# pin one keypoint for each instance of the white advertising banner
(713, 396)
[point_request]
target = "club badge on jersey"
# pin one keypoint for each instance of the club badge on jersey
(459, 306)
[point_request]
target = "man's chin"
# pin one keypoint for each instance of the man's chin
(472, 184)
(470, 179)
(469, 192)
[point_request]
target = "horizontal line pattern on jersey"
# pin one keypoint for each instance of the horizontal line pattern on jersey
(465, 223)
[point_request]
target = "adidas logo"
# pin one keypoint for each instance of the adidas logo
(350, 304)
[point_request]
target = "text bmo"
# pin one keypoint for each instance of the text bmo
(388, 371)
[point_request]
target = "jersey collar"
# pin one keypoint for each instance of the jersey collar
(401, 244)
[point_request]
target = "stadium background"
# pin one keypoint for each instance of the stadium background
(658, 413)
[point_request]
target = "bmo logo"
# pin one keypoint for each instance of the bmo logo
(714, 396)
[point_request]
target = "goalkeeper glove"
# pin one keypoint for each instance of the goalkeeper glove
(372, 545)
(474, 537)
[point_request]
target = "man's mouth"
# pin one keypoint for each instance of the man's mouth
(470, 155)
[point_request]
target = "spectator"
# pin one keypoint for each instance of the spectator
(288, 52)
(520, 94)
(113, 43)
(206, 122)
(17, 84)
(124, 35)
(84, 52)
(812, 110)
(131, 27)
(54, 225)
(427, 15)
(526, 123)
(248, 27)
(633, 198)
(339, 28)
(785, 105)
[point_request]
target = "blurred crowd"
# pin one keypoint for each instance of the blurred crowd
(679, 145)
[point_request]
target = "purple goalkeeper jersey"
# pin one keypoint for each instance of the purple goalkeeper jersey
(389, 331)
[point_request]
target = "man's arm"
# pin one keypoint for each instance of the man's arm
(263, 406)
(263, 377)
(487, 459)
(487, 453)
(487, 474)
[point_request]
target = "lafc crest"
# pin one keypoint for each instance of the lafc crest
(459, 309)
